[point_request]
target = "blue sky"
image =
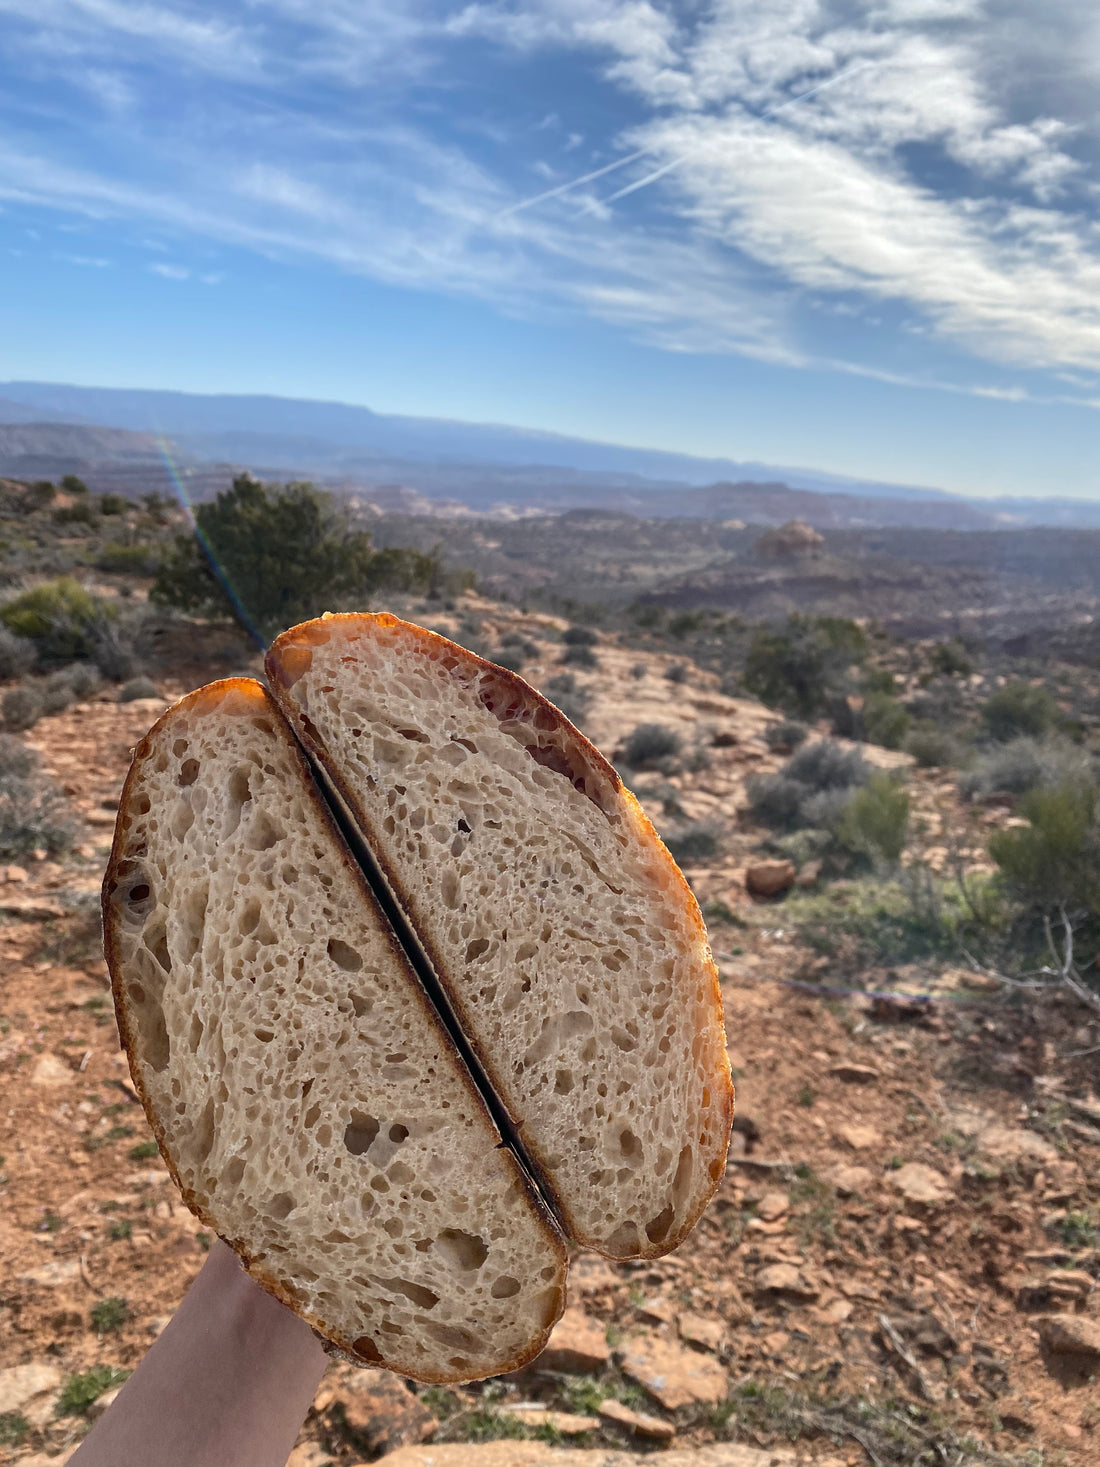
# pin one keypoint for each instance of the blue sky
(895, 276)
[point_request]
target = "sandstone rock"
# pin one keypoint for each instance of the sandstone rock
(673, 1376)
(808, 874)
(1071, 1334)
(381, 1413)
(772, 1206)
(577, 1344)
(638, 1422)
(563, 1421)
(786, 1280)
(101, 1403)
(708, 1333)
(1014, 1144)
(849, 1180)
(43, 1459)
(853, 1074)
(769, 878)
(19, 1384)
(31, 910)
(538, 1454)
(14, 874)
(859, 1138)
(50, 1072)
(921, 1184)
(52, 1275)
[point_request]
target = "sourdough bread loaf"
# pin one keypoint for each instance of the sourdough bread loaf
(311, 1107)
(564, 936)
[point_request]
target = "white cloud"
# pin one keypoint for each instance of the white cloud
(947, 173)
(171, 272)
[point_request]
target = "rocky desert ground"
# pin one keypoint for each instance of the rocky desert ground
(900, 1266)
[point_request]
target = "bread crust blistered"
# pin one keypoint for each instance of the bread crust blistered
(245, 698)
(294, 665)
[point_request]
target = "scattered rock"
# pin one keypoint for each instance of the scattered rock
(673, 1376)
(577, 1344)
(380, 1412)
(50, 1072)
(921, 1184)
(19, 1384)
(538, 1454)
(853, 1074)
(772, 1206)
(786, 1280)
(31, 910)
(651, 1427)
(849, 1180)
(860, 1138)
(808, 874)
(1014, 1144)
(101, 1403)
(710, 1334)
(656, 1311)
(769, 878)
(1070, 1334)
(532, 1414)
(52, 1275)
(13, 874)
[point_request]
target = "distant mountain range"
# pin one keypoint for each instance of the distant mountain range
(133, 439)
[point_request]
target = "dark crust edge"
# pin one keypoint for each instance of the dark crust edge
(575, 743)
(332, 1342)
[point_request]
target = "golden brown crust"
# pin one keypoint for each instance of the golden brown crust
(287, 659)
(214, 698)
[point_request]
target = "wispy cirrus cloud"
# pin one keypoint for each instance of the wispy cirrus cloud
(941, 165)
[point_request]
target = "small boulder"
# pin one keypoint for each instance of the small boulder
(650, 1427)
(708, 1334)
(921, 1184)
(674, 1376)
(1071, 1334)
(381, 1413)
(860, 1138)
(577, 1345)
(849, 1181)
(50, 1072)
(788, 1282)
(533, 1414)
(769, 878)
(853, 1074)
(773, 1205)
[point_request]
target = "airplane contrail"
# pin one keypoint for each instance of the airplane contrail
(564, 188)
(771, 112)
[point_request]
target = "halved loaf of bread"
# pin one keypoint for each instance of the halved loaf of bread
(563, 934)
(310, 1105)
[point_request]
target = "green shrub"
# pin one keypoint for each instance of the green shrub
(83, 512)
(694, 843)
(112, 504)
(885, 721)
(786, 735)
(34, 814)
(951, 659)
(61, 618)
(686, 622)
(1026, 764)
(133, 560)
(138, 687)
(676, 672)
(21, 707)
(1054, 861)
(109, 1315)
(564, 691)
(797, 668)
(650, 745)
(40, 494)
(268, 556)
(931, 748)
(875, 820)
(1019, 709)
(579, 656)
(810, 789)
(579, 637)
(144, 1151)
(81, 1391)
(56, 693)
(638, 670)
(14, 1429)
(16, 655)
(73, 485)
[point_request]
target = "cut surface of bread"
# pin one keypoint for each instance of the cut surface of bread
(564, 936)
(309, 1103)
